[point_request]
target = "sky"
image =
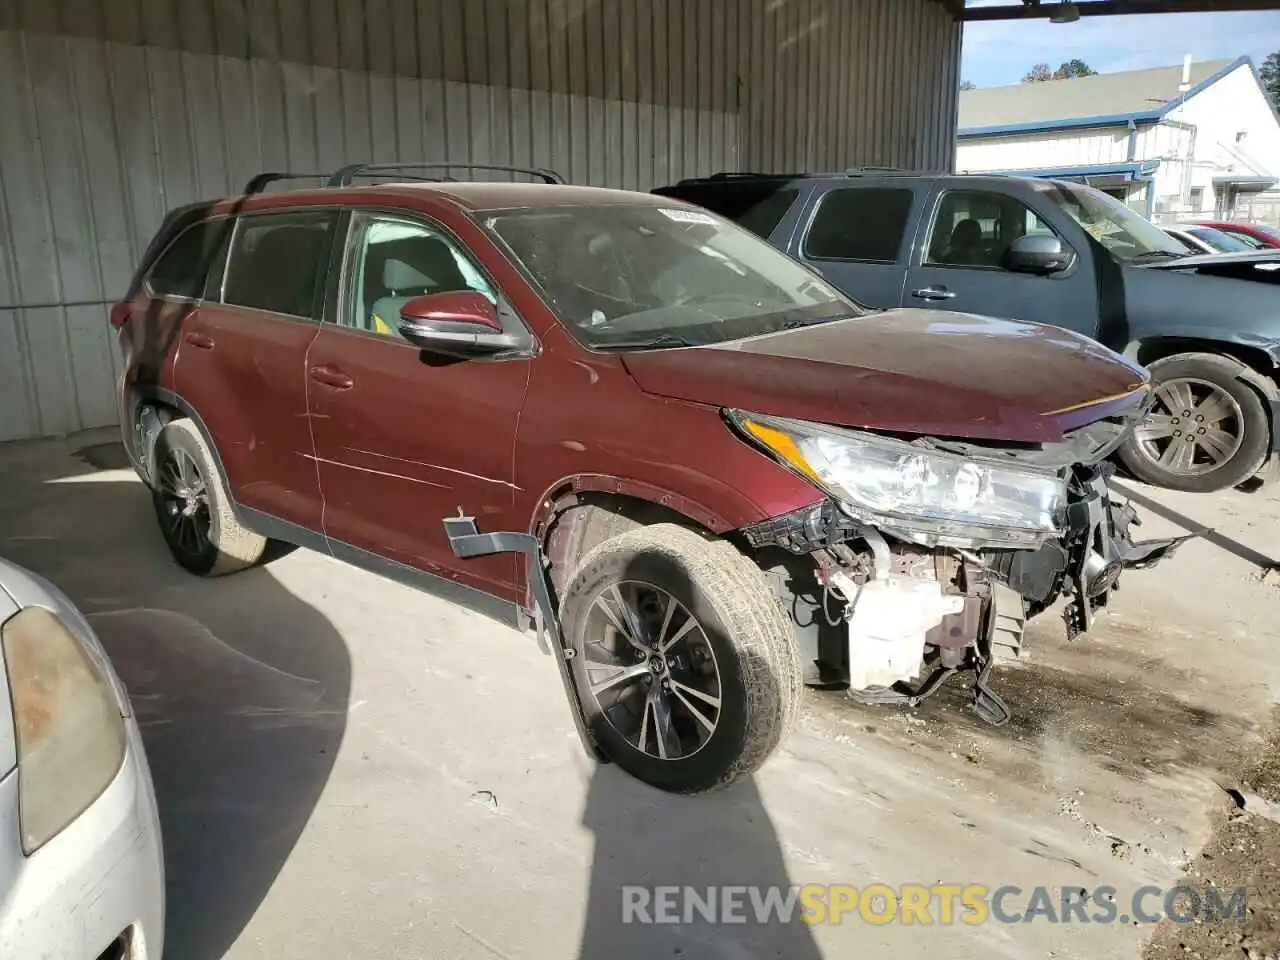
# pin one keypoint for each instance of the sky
(1002, 52)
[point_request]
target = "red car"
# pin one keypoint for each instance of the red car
(1257, 235)
(707, 474)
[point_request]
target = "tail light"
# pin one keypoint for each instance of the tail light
(70, 733)
(121, 313)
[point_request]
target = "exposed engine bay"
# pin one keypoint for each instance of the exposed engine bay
(891, 620)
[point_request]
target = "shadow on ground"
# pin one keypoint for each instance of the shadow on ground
(240, 688)
(706, 845)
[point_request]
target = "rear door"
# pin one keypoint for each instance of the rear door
(241, 359)
(957, 263)
(404, 438)
(857, 237)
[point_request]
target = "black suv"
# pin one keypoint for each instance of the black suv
(1053, 252)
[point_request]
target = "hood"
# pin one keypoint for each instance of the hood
(1260, 265)
(907, 371)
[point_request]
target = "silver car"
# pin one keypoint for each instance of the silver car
(81, 864)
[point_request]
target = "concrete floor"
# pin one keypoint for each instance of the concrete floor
(348, 768)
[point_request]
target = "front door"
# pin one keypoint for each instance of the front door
(959, 265)
(404, 438)
(242, 358)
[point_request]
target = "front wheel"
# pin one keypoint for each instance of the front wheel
(1207, 429)
(685, 663)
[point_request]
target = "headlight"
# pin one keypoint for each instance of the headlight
(922, 495)
(70, 735)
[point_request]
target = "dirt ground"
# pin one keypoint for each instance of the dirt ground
(346, 767)
(1244, 851)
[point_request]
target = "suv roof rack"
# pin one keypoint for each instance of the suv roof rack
(345, 176)
(749, 175)
(263, 180)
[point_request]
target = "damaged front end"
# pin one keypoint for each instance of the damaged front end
(929, 555)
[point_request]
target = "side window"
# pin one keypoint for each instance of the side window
(183, 267)
(974, 228)
(392, 261)
(860, 223)
(278, 260)
(758, 207)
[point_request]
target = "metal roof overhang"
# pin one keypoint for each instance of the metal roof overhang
(1245, 183)
(1033, 9)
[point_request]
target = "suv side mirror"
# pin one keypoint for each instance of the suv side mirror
(1041, 253)
(459, 323)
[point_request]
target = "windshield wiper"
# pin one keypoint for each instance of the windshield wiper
(1157, 255)
(654, 343)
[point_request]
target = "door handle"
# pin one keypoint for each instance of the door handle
(933, 293)
(331, 377)
(200, 340)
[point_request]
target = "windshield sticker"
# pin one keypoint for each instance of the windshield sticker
(688, 216)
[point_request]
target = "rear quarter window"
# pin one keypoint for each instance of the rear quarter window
(758, 207)
(184, 267)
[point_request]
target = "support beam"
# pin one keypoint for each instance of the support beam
(1109, 8)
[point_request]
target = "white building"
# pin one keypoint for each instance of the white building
(1200, 139)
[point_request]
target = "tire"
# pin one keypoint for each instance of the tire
(214, 543)
(1242, 438)
(740, 652)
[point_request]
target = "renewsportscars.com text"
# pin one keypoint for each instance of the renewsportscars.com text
(920, 904)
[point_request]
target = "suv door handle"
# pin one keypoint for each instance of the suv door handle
(203, 341)
(933, 293)
(332, 377)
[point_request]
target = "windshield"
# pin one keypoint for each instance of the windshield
(1128, 235)
(632, 275)
(1220, 241)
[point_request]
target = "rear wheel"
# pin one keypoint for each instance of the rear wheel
(684, 662)
(193, 509)
(1207, 430)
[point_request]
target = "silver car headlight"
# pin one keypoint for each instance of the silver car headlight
(70, 734)
(925, 496)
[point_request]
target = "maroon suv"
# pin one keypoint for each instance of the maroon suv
(705, 473)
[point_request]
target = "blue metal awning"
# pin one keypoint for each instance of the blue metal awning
(1138, 170)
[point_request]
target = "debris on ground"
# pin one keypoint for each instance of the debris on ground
(1244, 851)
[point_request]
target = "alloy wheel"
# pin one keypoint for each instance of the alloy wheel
(1194, 427)
(186, 502)
(651, 670)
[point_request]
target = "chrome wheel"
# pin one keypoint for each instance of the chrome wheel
(1194, 427)
(186, 502)
(651, 670)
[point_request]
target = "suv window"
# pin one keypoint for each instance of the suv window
(183, 267)
(758, 207)
(860, 223)
(974, 228)
(394, 260)
(278, 262)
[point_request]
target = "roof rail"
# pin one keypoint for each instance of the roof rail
(749, 175)
(345, 176)
(263, 180)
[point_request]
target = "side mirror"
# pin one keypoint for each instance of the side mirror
(1041, 253)
(459, 323)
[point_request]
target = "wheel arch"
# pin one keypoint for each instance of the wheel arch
(579, 512)
(167, 406)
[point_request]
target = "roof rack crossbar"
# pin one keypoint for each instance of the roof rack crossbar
(263, 180)
(345, 176)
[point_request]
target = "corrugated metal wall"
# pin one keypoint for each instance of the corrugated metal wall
(113, 111)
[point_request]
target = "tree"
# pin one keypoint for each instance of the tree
(1270, 75)
(968, 85)
(1074, 68)
(1067, 71)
